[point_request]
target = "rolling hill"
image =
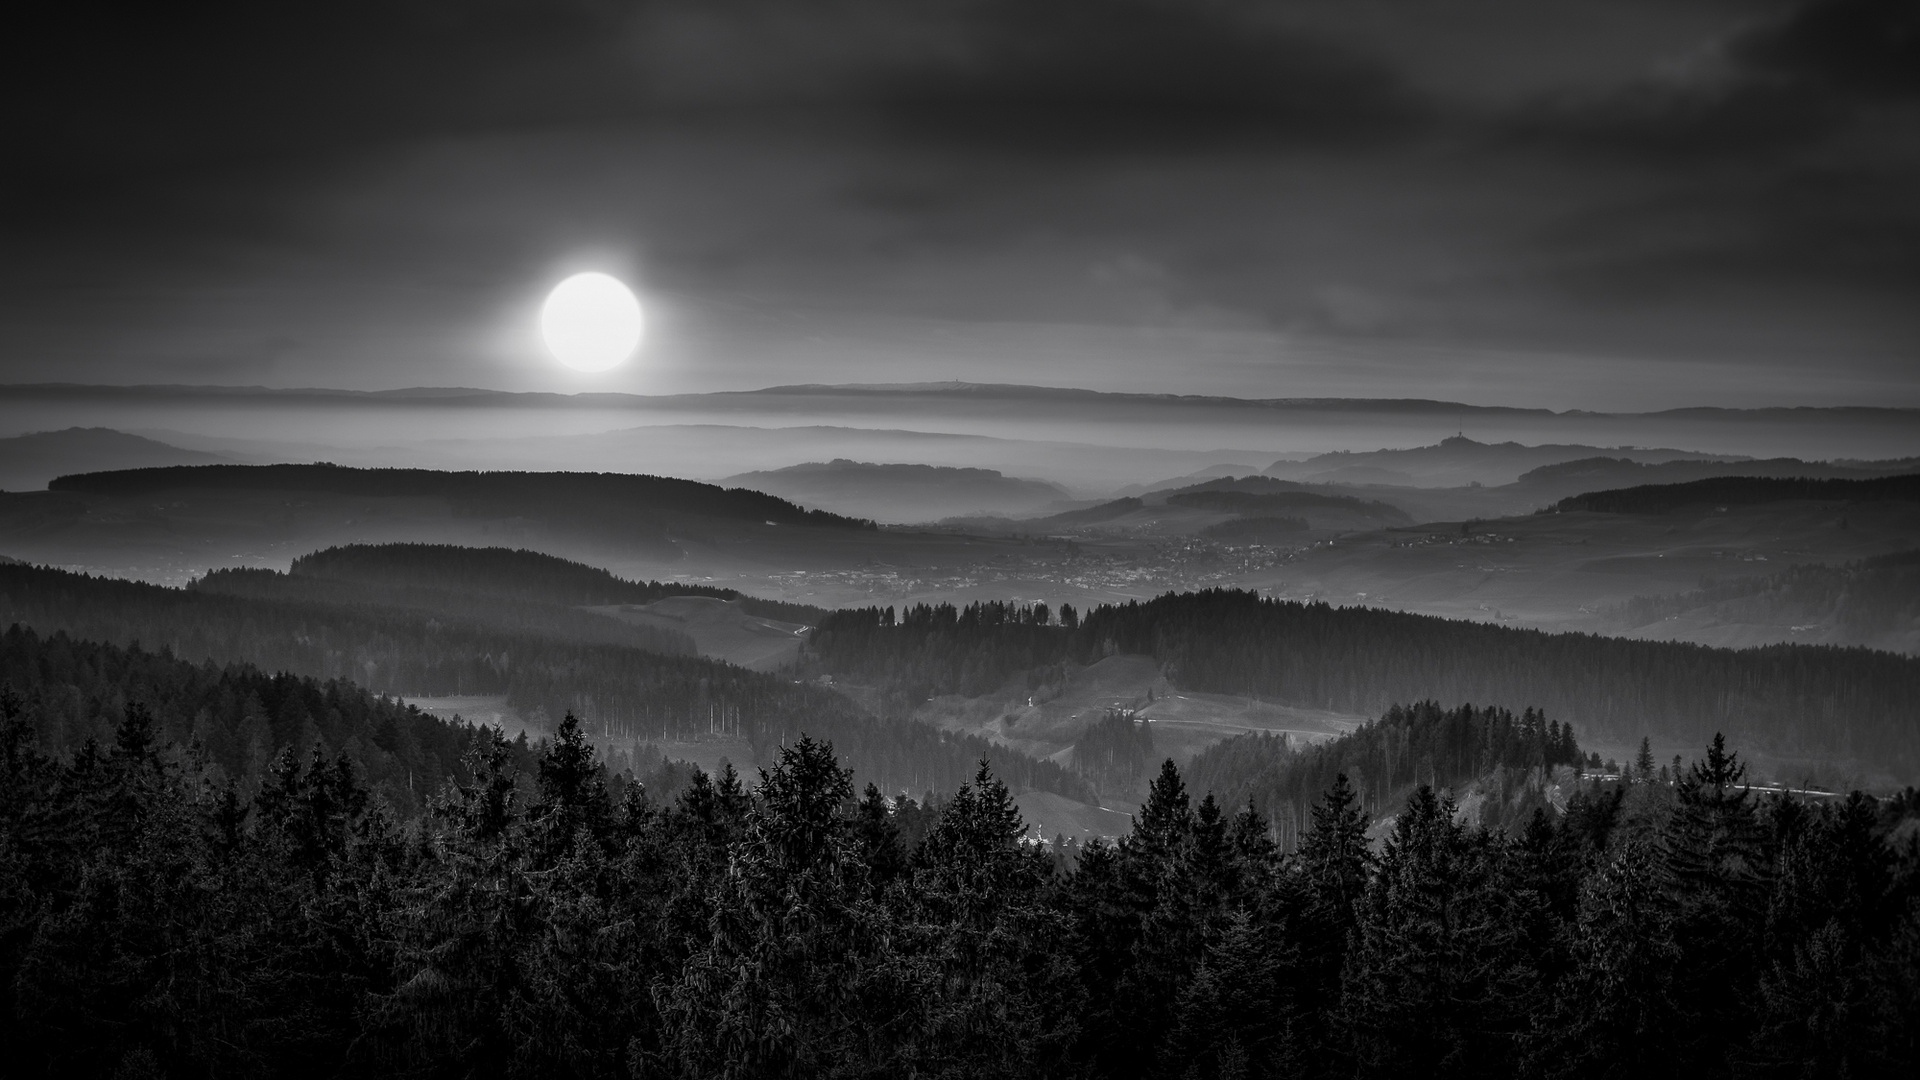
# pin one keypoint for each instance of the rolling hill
(902, 493)
(1792, 705)
(28, 462)
(628, 697)
(1458, 461)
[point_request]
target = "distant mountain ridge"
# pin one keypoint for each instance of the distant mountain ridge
(513, 573)
(1744, 490)
(1594, 474)
(1277, 506)
(902, 492)
(950, 389)
(28, 462)
(1458, 461)
(577, 492)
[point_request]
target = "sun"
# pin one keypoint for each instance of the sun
(592, 322)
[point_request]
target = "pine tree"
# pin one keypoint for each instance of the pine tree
(574, 806)
(1715, 873)
(1328, 879)
(1155, 931)
(1618, 1012)
(1235, 1020)
(1437, 975)
(774, 989)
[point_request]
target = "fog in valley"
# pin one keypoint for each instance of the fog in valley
(1120, 539)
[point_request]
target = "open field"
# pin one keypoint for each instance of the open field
(720, 629)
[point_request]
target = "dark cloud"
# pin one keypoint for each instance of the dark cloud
(1859, 46)
(109, 85)
(1680, 120)
(1145, 75)
(99, 86)
(1800, 76)
(308, 185)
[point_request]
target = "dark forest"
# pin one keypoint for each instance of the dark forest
(536, 916)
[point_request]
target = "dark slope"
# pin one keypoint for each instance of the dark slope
(1601, 473)
(1873, 602)
(1742, 490)
(575, 494)
(1792, 701)
(74, 691)
(1219, 497)
(28, 462)
(494, 614)
(512, 573)
(627, 695)
(1458, 461)
(902, 492)
(1092, 515)
(1386, 760)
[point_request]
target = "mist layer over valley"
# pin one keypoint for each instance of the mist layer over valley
(1027, 539)
(1657, 544)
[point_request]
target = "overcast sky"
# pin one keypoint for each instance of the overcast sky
(1584, 203)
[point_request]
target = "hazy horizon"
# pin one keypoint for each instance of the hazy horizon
(1588, 205)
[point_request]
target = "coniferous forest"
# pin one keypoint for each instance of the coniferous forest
(536, 916)
(425, 643)
(207, 869)
(960, 540)
(1786, 699)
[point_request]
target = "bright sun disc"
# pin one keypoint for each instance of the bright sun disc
(591, 322)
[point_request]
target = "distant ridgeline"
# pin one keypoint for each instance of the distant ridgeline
(1616, 470)
(514, 574)
(1741, 491)
(79, 691)
(621, 692)
(1278, 498)
(577, 493)
(1786, 699)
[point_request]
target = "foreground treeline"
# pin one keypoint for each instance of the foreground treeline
(626, 695)
(153, 922)
(1790, 700)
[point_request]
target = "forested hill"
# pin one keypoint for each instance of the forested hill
(1789, 700)
(1387, 760)
(73, 691)
(514, 573)
(509, 615)
(577, 492)
(1741, 490)
(1870, 602)
(557, 925)
(627, 696)
(1217, 496)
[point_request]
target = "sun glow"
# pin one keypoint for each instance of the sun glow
(591, 322)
